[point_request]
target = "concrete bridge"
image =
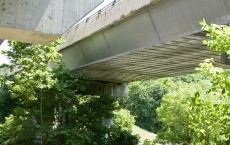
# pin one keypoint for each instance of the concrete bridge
(41, 21)
(147, 39)
(130, 40)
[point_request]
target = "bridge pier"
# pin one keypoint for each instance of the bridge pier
(106, 88)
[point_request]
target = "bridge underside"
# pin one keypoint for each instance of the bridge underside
(41, 21)
(172, 58)
(151, 41)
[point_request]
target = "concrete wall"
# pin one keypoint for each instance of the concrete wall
(52, 17)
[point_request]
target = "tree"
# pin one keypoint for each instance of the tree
(31, 74)
(144, 98)
(213, 111)
(174, 110)
(7, 103)
(51, 109)
(205, 115)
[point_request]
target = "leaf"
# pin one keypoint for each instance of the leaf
(197, 94)
(223, 91)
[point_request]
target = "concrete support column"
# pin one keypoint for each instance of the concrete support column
(109, 89)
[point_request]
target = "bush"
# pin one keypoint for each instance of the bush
(123, 120)
(144, 98)
(68, 117)
(122, 129)
(175, 108)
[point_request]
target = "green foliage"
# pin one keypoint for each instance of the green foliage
(219, 35)
(123, 120)
(70, 118)
(7, 103)
(200, 113)
(123, 138)
(174, 109)
(20, 129)
(31, 74)
(210, 114)
(144, 98)
(81, 123)
(121, 132)
(30, 65)
(148, 142)
(51, 109)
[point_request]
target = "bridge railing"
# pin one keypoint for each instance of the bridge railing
(96, 14)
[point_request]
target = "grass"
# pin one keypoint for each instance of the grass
(144, 134)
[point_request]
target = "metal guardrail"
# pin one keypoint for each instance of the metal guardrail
(96, 14)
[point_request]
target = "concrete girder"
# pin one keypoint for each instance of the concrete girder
(117, 13)
(106, 42)
(40, 21)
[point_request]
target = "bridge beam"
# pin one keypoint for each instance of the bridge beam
(111, 17)
(138, 40)
(40, 21)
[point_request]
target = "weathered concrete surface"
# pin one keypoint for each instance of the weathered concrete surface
(108, 89)
(26, 36)
(156, 40)
(40, 21)
(128, 8)
(112, 16)
(228, 4)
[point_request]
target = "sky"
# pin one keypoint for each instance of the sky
(106, 2)
(4, 45)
